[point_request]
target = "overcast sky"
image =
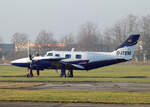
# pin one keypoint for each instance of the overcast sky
(63, 16)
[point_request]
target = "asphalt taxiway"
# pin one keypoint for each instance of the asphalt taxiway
(39, 104)
(96, 86)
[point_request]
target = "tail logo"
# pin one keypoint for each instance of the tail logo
(129, 40)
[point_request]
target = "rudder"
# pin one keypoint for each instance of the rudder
(126, 50)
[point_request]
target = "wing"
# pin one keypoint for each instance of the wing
(59, 64)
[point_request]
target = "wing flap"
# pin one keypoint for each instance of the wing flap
(59, 64)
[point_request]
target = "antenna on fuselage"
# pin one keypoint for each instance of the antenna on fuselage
(28, 48)
(72, 50)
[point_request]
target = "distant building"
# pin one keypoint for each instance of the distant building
(23, 47)
(58, 46)
(6, 47)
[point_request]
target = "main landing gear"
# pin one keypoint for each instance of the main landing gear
(63, 73)
(70, 73)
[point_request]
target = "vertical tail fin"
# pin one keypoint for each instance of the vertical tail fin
(126, 50)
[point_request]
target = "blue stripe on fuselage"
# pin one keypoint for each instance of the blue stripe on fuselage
(21, 64)
(97, 64)
(42, 64)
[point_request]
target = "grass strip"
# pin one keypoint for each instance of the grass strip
(75, 96)
(117, 73)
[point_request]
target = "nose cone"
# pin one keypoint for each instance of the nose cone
(23, 62)
(13, 62)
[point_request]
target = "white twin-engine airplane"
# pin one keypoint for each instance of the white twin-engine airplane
(73, 60)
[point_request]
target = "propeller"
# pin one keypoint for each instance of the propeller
(30, 57)
(30, 74)
(38, 71)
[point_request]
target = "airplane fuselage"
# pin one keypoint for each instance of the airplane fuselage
(84, 60)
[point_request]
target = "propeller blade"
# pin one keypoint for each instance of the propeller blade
(30, 57)
(31, 67)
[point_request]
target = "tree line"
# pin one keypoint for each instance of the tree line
(91, 38)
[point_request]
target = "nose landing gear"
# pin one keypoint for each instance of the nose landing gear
(30, 73)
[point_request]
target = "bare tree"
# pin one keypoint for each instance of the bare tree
(124, 27)
(121, 30)
(1, 51)
(44, 40)
(146, 37)
(19, 38)
(108, 39)
(1, 39)
(88, 37)
(68, 39)
(69, 42)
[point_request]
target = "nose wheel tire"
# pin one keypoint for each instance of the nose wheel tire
(30, 73)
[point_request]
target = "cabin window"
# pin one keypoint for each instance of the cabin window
(50, 54)
(68, 56)
(78, 56)
(58, 55)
